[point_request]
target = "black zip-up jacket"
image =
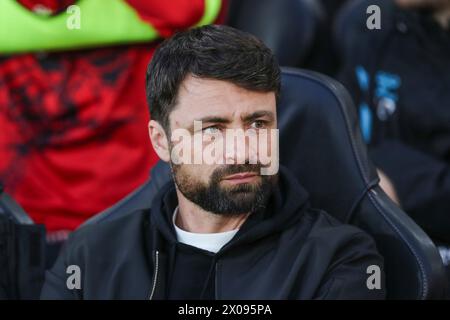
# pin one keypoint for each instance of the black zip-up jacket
(399, 77)
(288, 251)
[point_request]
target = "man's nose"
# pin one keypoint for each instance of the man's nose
(241, 149)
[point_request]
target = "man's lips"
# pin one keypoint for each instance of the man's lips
(241, 177)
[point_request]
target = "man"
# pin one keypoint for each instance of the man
(400, 78)
(221, 231)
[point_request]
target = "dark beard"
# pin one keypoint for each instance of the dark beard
(233, 200)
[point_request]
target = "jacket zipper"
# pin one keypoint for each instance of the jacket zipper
(216, 294)
(155, 277)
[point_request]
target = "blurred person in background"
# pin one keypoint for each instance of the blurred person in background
(399, 77)
(72, 116)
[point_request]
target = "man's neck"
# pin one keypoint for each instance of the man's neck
(442, 16)
(194, 219)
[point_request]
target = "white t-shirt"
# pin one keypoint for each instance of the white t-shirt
(211, 242)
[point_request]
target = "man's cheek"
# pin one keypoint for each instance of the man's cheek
(181, 147)
(268, 151)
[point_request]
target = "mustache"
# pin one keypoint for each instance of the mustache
(236, 168)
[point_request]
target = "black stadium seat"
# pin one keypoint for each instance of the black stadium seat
(322, 145)
(287, 27)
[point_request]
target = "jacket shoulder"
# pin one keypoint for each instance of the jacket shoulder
(324, 225)
(348, 255)
(109, 232)
(92, 249)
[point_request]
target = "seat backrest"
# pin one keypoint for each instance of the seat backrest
(287, 27)
(322, 145)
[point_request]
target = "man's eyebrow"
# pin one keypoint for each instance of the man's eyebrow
(209, 119)
(214, 119)
(258, 114)
(246, 118)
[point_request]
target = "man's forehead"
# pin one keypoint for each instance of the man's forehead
(199, 98)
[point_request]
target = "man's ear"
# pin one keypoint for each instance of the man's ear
(159, 140)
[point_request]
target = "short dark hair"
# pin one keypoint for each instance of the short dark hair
(215, 52)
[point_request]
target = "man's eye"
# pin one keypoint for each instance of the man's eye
(258, 124)
(211, 130)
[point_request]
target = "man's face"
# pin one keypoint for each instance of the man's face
(230, 181)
